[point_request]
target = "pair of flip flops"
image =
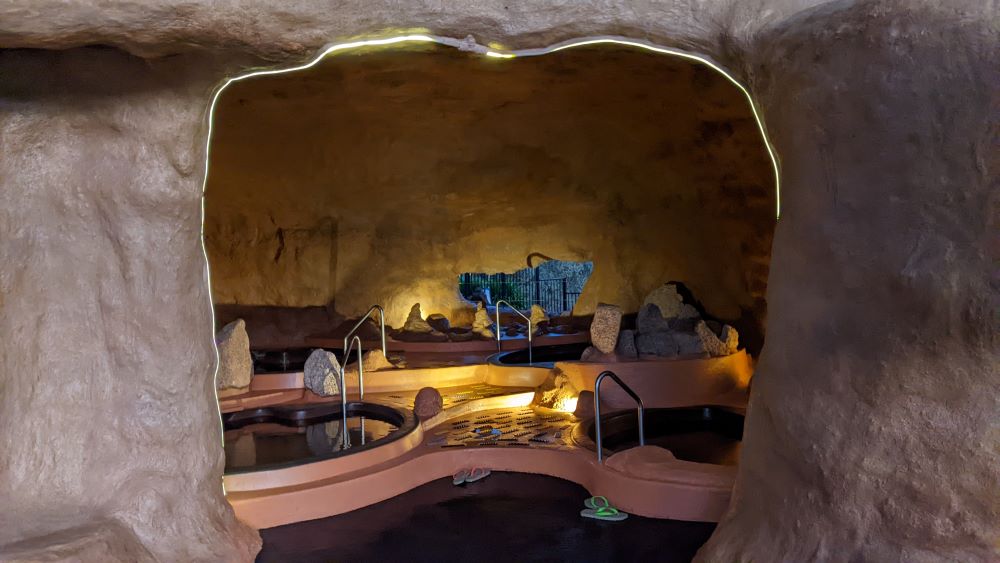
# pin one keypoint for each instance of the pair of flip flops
(599, 508)
(470, 475)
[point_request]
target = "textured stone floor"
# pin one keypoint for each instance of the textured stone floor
(510, 427)
(506, 517)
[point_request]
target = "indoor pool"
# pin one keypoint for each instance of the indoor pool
(276, 437)
(705, 434)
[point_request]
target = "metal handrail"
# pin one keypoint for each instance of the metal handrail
(381, 317)
(523, 317)
(597, 411)
(343, 389)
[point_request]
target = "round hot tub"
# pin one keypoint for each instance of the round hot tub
(703, 434)
(284, 436)
(543, 355)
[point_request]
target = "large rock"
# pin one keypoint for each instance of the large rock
(439, 322)
(322, 373)
(670, 303)
(482, 325)
(604, 328)
(660, 344)
(415, 323)
(715, 345)
(539, 319)
(235, 363)
(584, 405)
(427, 403)
(556, 392)
(689, 344)
(649, 319)
(625, 349)
(731, 339)
(416, 329)
(711, 343)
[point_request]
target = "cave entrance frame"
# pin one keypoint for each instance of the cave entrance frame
(469, 44)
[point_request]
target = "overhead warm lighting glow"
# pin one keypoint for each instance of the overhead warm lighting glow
(498, 55)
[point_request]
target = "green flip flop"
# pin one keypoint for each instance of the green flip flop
(607, 513)
(597, 502)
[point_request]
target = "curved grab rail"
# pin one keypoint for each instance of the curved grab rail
(523, 317)
(381, 318)
(597, 410)
(346, 441)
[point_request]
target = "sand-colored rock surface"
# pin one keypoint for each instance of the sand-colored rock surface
(872, 433)
(109, 430)
(421, 164)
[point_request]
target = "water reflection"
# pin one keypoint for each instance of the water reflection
(269, 443)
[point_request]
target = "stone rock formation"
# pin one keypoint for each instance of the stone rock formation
(415, 323)
(649, 320)
(438, 322)
(556, 391)
(670, 303)
(661, 344)
(604, 328)
(427, 403)
(731, 338)
(375, 360)
(322, 373)
(416, 329)
(482, 325)
(625, 349)
(235, 363)
(713, 344)
(372, 360)
(539, 319)
(584, 405)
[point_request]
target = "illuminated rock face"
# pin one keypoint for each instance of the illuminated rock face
(872, 433)
(418, 165)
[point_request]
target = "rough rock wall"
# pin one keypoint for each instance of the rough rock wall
(873, 429)
(874, 337)
(431, 162)
(108, 424)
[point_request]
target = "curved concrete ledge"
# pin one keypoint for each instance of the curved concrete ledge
(669, 382)
(310, 472)
(698, 493)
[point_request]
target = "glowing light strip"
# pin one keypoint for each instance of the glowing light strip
(464, 45)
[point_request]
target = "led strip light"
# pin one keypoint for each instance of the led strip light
(471, 46)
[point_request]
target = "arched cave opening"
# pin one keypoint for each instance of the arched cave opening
(379, 176)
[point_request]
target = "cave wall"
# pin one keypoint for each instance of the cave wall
(109, 428)
(873, 429)
(882, 328)
(379, 177)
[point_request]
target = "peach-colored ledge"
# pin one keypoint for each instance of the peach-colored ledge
(695, 492)
(663, 489)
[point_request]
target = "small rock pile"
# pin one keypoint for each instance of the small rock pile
(666, 327)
